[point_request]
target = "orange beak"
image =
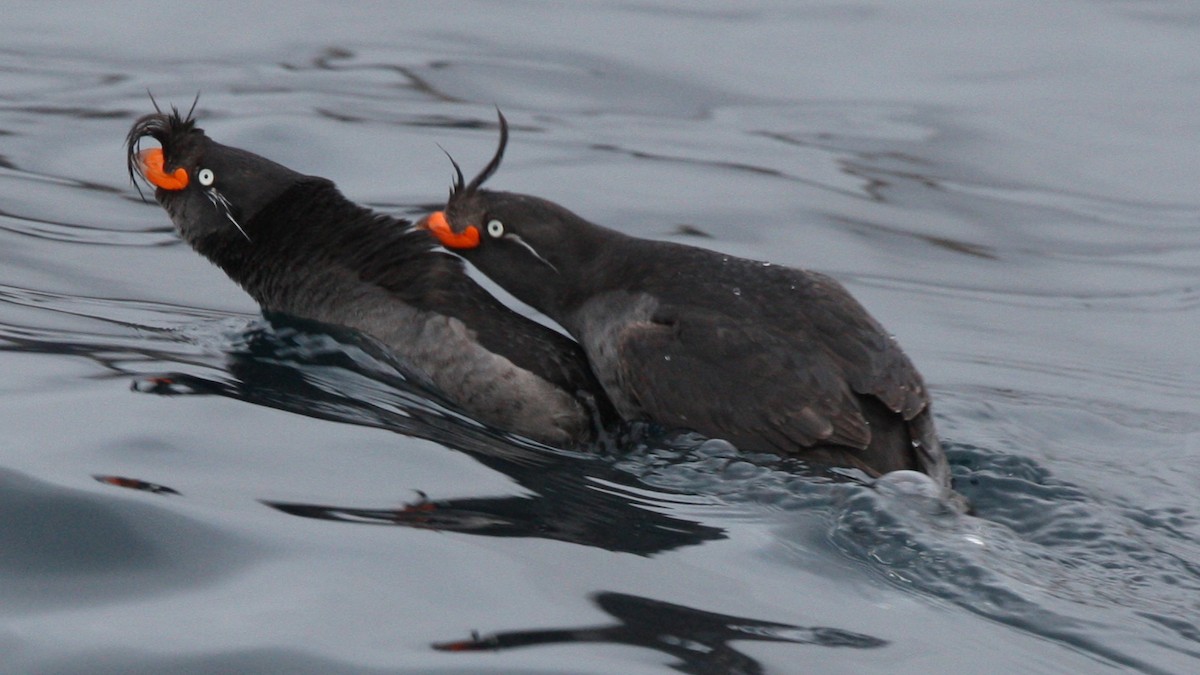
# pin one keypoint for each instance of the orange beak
(151, 162)
(439, 227)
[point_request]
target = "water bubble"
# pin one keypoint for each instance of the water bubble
(908, 482)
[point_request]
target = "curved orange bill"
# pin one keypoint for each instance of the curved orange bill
(151, 162)
(437, 225)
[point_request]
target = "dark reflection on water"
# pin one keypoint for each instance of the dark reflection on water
(136, 484)
(584, 517)
(1036, 540)
(699, 639)
(293, 365)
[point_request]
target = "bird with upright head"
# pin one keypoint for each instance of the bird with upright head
(767, 357)
(300, 248)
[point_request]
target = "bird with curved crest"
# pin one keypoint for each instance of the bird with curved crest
(300, 248)
(767, 357)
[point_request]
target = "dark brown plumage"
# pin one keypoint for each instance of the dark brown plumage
(299, 247)
(768, 357)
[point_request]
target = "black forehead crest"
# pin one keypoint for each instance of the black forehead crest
(175, 132)
(460, 191)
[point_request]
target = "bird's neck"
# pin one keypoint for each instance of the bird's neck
(311, 247)
(594, 260)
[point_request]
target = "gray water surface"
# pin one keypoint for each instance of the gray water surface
(1010, 187)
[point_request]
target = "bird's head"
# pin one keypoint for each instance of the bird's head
(532, 247)
(208, 189)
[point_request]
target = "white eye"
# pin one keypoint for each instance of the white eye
(205, 177)
(495, 229)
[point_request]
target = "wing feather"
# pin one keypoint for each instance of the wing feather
(747, 383)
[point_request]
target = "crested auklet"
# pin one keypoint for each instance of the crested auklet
(767, 357)
(299, 247)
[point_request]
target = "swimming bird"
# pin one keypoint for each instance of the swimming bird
(765, 356)
(301, 248)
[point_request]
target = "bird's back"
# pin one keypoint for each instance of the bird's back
(766, 356)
